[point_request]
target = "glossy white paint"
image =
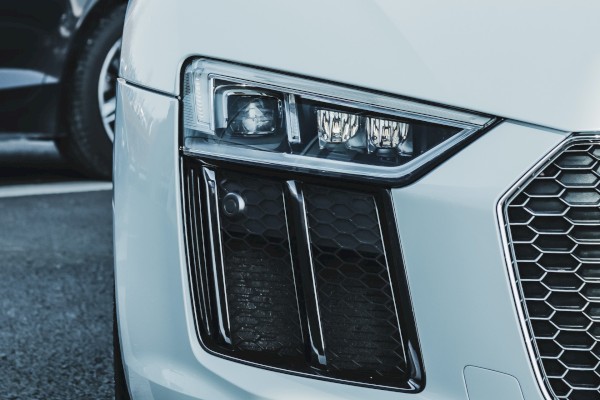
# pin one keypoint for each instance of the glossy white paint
(462, 300)
(455, 289)
(531, 61)
(485, 384)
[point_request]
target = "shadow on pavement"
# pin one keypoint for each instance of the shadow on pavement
(28, 161)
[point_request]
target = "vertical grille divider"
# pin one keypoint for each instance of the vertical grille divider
(214, 228)
(304, 273)
(195, 248)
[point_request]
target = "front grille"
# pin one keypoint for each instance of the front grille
(294, 275)
(553, 229)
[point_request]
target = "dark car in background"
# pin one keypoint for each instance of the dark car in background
(59, 62)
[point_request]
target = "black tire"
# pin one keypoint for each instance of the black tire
(121, 391)
(87, 145)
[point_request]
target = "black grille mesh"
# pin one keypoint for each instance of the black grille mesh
(261, 297)
(283, 270)
(357, 308)
(554, 232)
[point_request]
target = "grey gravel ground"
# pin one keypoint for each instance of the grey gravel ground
(56, 297)
(56, 282)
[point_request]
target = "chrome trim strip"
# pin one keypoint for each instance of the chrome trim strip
(190, 224)
(198, 147)
(509, 257)
(294, 196)
(214, 226)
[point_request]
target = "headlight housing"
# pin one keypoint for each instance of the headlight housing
(266, 118)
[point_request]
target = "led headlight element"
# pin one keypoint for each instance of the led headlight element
(254, 116)
(387, 134)
(335, 126)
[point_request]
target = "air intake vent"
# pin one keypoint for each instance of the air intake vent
(259, 283)
(298, 276)
(553, 229)
(360, 325)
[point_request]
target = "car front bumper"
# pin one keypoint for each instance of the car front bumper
(466, 316)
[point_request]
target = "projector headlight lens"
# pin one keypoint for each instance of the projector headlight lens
(254, 116)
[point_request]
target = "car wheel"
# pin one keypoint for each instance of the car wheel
(91, 98)
(121, 391)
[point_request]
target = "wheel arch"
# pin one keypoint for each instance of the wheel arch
(91, 13)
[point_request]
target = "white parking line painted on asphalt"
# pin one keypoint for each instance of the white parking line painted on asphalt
(53, 188)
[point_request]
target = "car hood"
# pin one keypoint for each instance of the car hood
(535, 62)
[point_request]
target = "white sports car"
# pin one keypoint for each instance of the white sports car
(370, 199)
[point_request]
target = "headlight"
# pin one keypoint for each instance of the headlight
(260, 117)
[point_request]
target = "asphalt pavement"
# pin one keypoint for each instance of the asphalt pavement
(56, 282)
(23, 161)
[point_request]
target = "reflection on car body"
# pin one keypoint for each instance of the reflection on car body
(400, 204)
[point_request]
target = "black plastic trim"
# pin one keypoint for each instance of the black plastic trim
(302, 262)
(415, 380)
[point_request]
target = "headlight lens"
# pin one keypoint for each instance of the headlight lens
(259, 117)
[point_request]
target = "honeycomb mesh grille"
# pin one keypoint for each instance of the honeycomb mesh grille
(263, 311)
(553, 226)
(296, 276)
(360, 325)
